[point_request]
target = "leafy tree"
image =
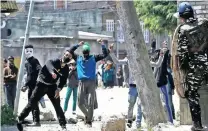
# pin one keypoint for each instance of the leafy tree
(157, 15)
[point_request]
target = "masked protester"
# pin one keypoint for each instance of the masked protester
(51, 72)
(10, 81)
(86, 70)
(190, 58)
(32, 67)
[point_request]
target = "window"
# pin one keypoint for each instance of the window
(59, 4)
(145, 32)
(110, 25)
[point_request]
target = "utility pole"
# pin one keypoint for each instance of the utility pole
(21, 70)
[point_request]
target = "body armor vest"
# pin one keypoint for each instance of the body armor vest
(196, 32)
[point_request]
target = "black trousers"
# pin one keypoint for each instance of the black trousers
(35, 110)
(39, 91)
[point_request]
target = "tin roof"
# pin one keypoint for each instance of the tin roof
(8, 6)
(47, 37)
(81, 35)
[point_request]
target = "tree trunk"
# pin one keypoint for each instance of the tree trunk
(140, 64)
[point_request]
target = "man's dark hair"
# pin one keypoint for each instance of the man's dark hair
(28, 46)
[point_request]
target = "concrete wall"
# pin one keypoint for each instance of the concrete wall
(200, 6)
(47, 48)
(55, 27)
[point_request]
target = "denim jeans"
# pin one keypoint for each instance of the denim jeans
(10, 92)
(132, 98)
(165, 102)
(170, 98)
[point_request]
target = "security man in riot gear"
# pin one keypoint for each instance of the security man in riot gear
(191, 57)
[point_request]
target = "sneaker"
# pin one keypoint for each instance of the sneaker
(138, 125)
(74, 112)
(89, 124)
(19, 125)
(63, 127)
(193, 128)
(197, 126)
(34, 124)
(129, 123)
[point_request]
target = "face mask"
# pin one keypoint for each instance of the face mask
(66, 59)
(86, 53)
(28, 52)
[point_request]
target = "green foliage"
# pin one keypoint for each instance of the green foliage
(7, 116)
(157, 15)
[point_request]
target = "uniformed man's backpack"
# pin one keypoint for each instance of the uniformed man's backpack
(196, 32)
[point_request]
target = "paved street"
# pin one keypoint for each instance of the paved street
(111, 102)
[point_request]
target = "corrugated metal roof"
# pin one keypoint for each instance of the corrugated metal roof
(8, 6)
(47, 37)
(81, 35)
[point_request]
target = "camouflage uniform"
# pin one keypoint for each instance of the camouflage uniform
(195, 66)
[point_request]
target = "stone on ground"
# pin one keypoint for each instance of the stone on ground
(114, 123)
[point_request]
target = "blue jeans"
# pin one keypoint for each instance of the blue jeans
(170, 98)
(10, 92)
(165, 101)
(133, 95)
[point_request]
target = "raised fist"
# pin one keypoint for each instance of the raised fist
(111, 47)
(99, 41)
(81, 43)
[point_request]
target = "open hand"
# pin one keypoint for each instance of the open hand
(54, 75)
(57, 93)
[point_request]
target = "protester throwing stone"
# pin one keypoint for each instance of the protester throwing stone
(52, 71)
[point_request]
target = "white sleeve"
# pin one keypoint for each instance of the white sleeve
(158, 63)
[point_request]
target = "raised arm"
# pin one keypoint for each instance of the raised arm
(73, 48)
(115, 59)
(158, 63)
(104, 54)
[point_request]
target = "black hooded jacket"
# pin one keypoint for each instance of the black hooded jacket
(162, 73)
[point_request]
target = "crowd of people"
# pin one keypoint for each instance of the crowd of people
(78, 72)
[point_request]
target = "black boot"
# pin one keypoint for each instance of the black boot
(129, 123)
(197, 126)
(63, 127)
(19, 125)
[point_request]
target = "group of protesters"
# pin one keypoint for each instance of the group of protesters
(80, 72)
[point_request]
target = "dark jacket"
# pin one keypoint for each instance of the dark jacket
(162, 71)
(33, 68)
(54, 66)
(10, 70)
(170, 79)
(73, 79)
